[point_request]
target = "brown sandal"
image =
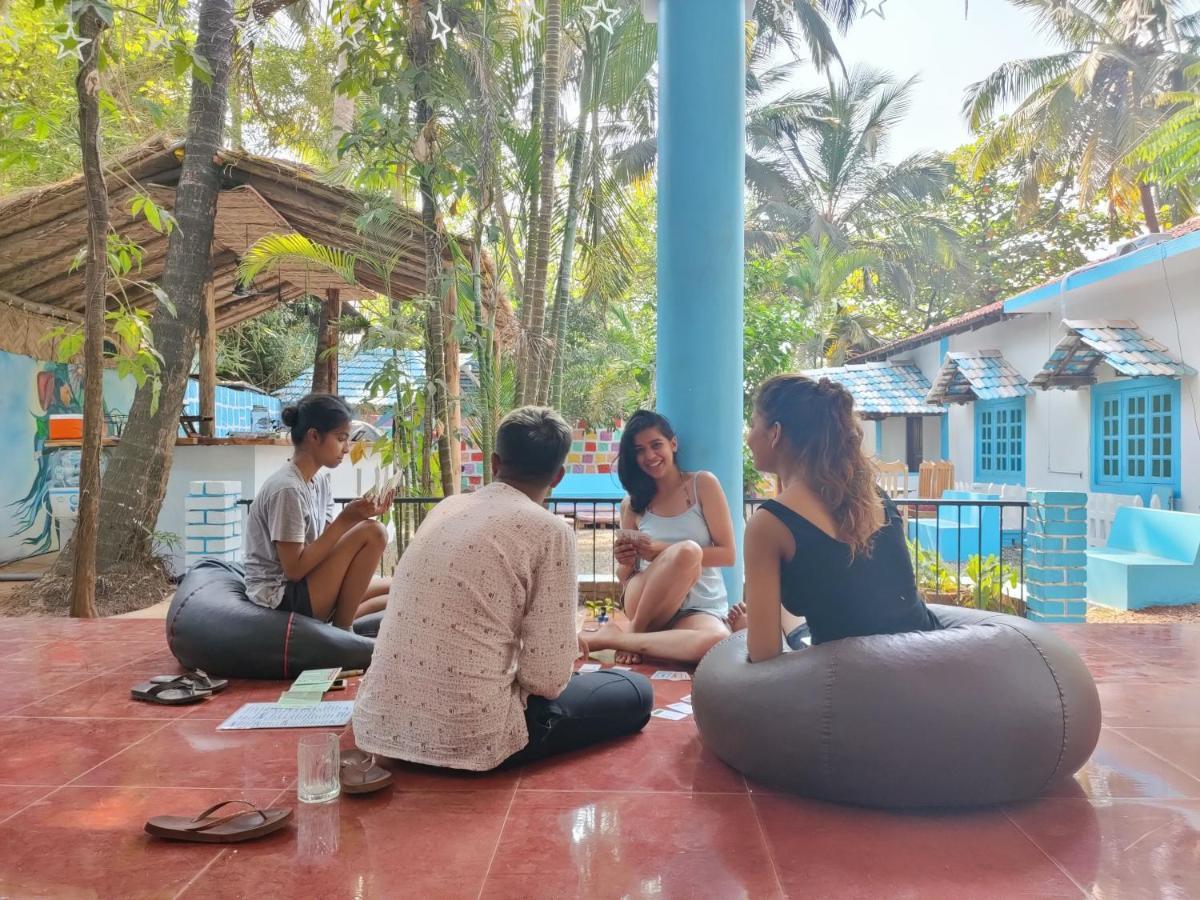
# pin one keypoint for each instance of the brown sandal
(360, 774)
(227, 829)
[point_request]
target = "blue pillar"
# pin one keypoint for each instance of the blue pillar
(943, 349)
(701, 176)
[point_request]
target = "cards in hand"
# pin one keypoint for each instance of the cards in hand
(378, 491)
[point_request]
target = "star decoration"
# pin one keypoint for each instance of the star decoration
(10, 35)
(440, 28)
(70, 44)
(531, 15)
(876, 10)
(1144, 24)
(601, 16)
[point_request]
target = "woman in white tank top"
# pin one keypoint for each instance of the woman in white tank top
(676, 536)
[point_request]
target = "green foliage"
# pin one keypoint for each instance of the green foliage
(983, 586)
(270, 350)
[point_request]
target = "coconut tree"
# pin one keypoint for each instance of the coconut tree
(1171, 153)
(1081, 111)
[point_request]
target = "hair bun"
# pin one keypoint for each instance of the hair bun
(290, 415)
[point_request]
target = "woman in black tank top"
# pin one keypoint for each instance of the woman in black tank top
(832, 546)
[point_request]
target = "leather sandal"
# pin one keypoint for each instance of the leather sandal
(227, 829)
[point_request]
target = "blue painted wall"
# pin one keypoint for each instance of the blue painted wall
(235, 408)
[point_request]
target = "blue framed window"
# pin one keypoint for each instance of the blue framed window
(1000, 441)
(1135, 436)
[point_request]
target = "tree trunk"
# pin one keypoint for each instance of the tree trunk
(530, 233)
(87, 90)
(343, 109)
(453, 385)
(536, 338)
(208, 362)
(589, 93)
(436, 370)
(325, 364)
(1149, 210)
(138, 469)
(235, 110)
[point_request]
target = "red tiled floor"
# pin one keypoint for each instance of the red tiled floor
(394, 845)
(1179, 746)
(1121, 770)
(192, 753)
(54, 751)
(89, 842)
(1123, 849)
(653, 815)
(666, 756)
(576, 844)
(823, 850)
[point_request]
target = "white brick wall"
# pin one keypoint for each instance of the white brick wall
(214, 520)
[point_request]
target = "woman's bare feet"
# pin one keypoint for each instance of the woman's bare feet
(603, 639)
(736, 620)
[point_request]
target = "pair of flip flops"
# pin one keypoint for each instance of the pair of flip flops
(178, 690)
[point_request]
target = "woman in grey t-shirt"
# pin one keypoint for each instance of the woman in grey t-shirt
(300, 557)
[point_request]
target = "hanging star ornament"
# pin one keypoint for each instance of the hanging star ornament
(440, 28)
(70, 43)
(876, 10)
(601, 16)
(532, 17)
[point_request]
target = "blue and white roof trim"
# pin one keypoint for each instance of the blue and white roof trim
(1121, 344)
(977, 375)
(880, 389)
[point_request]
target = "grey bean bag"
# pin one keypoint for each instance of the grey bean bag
(212, 625)
(990, 709)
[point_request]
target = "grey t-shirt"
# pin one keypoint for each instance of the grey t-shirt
(287, 509)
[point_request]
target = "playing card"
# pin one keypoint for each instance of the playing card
(664, 675)
(668, 714)
(685, 708)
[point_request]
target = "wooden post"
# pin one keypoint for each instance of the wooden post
(208, 363)
(325, 365)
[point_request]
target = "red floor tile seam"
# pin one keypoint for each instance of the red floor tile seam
(151, 734)
(1040, 849)
(1122, 730)
(762, 834)
(14, 713)
(499, 839)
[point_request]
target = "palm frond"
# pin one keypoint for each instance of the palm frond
(275, 249)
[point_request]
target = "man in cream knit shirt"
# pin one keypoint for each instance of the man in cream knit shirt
(473, 664)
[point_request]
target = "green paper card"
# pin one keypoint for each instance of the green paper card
(317, 676)
(299, 698)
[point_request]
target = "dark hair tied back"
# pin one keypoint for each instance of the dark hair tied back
(324, 412)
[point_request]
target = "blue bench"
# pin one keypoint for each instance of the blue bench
(960, 532)
(1152, 558)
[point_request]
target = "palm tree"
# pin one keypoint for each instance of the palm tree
(818, 170)
(1171, 153)
(821, 275)
(1080, 112)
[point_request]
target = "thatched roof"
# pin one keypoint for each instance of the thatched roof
(42, 229)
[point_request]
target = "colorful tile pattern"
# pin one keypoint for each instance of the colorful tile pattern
(1120, 344)
(593, 452)
(890, 388)
(977, 375)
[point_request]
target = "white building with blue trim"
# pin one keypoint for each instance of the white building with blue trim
(1087, 383)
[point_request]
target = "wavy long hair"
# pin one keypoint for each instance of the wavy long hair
(637, 483)
(823, 438)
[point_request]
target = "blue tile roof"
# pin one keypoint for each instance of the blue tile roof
(977, 375)
(355, 372)
(888, 388)
(1120, 344)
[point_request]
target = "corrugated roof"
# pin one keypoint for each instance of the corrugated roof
(888, 388)
(355, 372)
(977, 375)
(1121, 344)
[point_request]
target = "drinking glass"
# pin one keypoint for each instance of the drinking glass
(319, 762)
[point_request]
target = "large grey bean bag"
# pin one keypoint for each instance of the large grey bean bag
(992, 708)
(212, 625)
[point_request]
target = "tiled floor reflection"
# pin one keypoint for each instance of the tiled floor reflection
(653, 816)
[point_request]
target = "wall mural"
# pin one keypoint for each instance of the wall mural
(38, 479)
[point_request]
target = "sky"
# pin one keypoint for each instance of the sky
(932, 39)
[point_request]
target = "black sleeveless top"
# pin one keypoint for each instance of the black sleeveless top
(874, 594)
